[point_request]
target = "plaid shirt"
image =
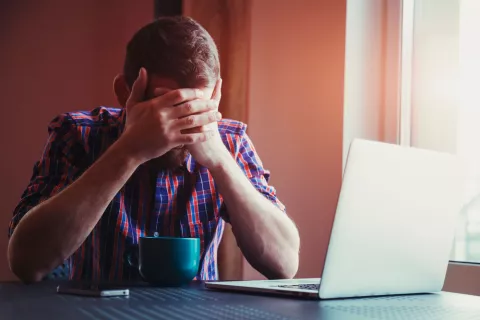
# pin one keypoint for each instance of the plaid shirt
(183, 202)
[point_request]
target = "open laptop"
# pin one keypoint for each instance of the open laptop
(393, 228)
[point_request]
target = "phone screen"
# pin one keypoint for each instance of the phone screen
(93, 290)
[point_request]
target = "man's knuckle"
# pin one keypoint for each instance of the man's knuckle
(189, 107)
(190, 120)
(189, 139)
(180, 95)
(161, 116)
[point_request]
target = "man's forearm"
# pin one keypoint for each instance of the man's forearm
(267, 237)
(53, 230)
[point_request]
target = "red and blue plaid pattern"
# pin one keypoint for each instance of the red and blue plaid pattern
(181, 203)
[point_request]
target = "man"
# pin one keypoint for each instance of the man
(164, 164)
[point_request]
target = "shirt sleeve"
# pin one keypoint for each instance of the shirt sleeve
(54, 171)
(251, 164)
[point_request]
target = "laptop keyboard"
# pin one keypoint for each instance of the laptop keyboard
(309, 286)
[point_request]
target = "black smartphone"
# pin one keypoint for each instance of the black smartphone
(90, 290)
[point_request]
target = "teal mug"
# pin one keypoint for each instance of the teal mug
(165, 261)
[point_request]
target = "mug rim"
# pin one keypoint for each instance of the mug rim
(169, 238)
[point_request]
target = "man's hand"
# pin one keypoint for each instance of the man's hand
(210, 153)
(158, 125)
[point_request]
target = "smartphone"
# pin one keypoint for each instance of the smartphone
(90, 290)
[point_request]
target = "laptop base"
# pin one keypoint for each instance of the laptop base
(305, 288)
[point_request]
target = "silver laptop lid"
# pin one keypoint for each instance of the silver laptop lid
(395, 220)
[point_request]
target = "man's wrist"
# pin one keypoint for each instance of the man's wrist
(121, 151)
(224, 161)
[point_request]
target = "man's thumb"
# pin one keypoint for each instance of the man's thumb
(138, 89)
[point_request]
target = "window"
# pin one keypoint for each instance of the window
(467, 243)
(440, 96)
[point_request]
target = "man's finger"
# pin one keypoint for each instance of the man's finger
(179, 96)
(138, 89)
(193, 107)
(195, 130)
(217, 92)
(197, 120)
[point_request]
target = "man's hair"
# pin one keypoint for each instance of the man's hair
(178, 48)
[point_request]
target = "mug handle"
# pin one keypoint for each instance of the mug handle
(131, 256)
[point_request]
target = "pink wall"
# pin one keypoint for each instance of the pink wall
(296, 112)
(56, 56)
(61, 56)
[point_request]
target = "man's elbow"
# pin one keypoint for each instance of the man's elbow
(28, 277)
(290, 268)
(21, 268)
(287, 269)
(25, 274)
(292, 258)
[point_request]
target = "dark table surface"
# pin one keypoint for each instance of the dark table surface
(40, 301)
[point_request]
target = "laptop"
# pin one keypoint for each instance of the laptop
(393, 229)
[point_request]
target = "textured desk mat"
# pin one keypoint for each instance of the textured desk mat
(174, 303)
(142, 303)
(42, 302)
